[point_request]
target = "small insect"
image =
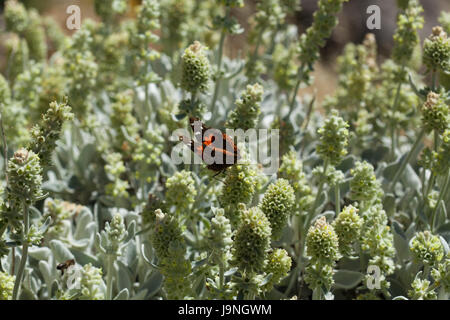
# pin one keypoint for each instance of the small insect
(212, 143)
(65, 265)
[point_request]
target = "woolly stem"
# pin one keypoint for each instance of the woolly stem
(407, 159)
(23, 259)
(297, 87)
(319, 192)
(221, 274)
(337, 194)
(394, 109)
(109, 282)
(219, 65)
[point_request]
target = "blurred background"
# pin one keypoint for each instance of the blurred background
(351, 27)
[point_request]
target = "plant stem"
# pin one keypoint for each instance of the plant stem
(297, 87)
(394, 109)
(23, 259)
(221, 274)
(5, 147)
(441, 196)
(407, 159)
(319, 193)
(304, 228)
(433, 81)
(337, 194)
(110, 277)
(219, 65)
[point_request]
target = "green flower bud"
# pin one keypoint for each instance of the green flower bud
(25, 176)
(16, 17)
(252, 241)
(318, 276)
(333, 139)
(27, 85)
(441, 274)
(166, 232)
(348, 228)
(115, 168)
(196, 70)
(291, 169)
(35, 36)
(92, 285)
(277, 205)
(239, 187)
(108, 9)
(147, 154)
(18, 56)
(285, 67)
(421, 290)
(322, 243)
(426, 248)
(81, 69)
(180, 190)
(364, 185)
(436, 51)
(6, 286)
(406, 37)
(435, 113)
(377, 239)
(440, 158)
(54, 33)
(115, 233)
(220, 238)
(170, 247)
(122, 116)
(278, 264)
(45, 135)
(332, 177)
(247, 111)
(323, 24)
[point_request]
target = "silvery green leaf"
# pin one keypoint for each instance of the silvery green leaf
(266, 279)
(43, 228)
(400, 242)
(347, 279)
(83, 258)
(54, 288)
(389, 204)
(39, 253)
(122, 295)
(141, 295)
(45, 269)
(444, 244)
(131, 230)
(230, 272)
(400, 298)
(153, 284)
(60, 251)
(124, 276)
(199, 263)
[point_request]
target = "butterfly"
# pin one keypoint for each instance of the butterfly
(215, 148)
